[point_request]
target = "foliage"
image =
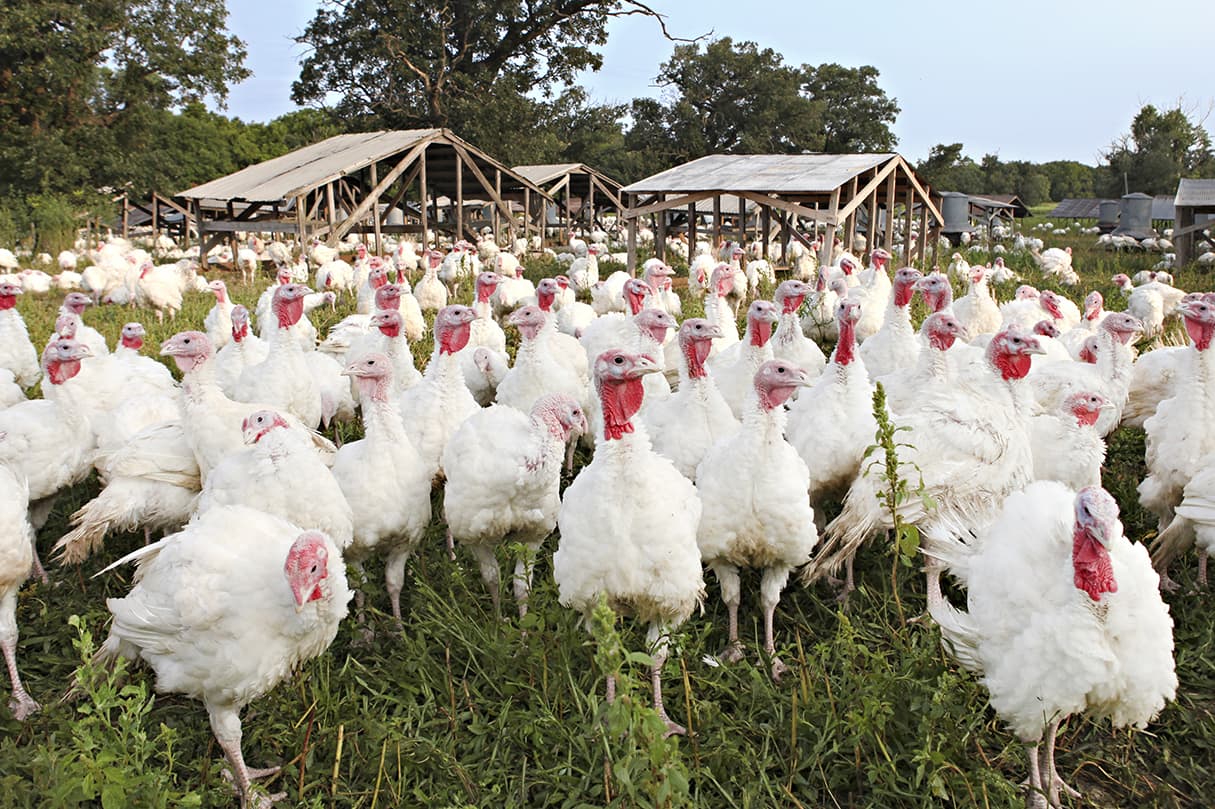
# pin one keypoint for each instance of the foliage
(856, 113)
(948, 169)
(86, 80)
(1160, 149)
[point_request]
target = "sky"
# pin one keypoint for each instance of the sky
(1029, 80)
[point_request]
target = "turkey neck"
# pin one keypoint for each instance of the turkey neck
(551, 448)
(933, 365)
(1092, 571)
(766, 423)
(1113, 359)
(789, 330)
(899, 317)
(382, 417)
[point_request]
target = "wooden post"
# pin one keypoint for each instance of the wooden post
(590, 200)
(155, 215)
(742, 222)
(909, 204)
(301, 221)
(459, 198)
(765, 227)
(424, 204)
(632, 238)
(922, 247)
(527, 219)
(716, 223)
(330, 205)
(498, 213)
(1183, 243)
(825, 252)
(375, 212)
(691, 230)
(660, 238)
(871, 233)
(569, 214)
(889, 237)
(785, 236)
(850, 226)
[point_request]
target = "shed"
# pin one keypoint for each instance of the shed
(1009, 201)
(819, 189)
(159, 213)
(1193, 197)
(333, 187)
(582, 194)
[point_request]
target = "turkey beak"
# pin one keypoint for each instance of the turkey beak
(1034, 347)
(644, 365)
(802, 379)
(714, 331)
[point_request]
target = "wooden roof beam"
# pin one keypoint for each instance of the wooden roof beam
(869, 188)
(368, 201)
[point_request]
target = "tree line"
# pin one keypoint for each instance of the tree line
(110, 96)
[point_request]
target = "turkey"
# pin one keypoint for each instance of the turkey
(283, 379)
(10, 392)
(17, 353)
(503, 468)
(977, 310)
(1025, 309)
(658, 275)
(766, 522)
(212, 421)
(637, 501)
(969, 441)
(278, 472)
(430, 291)
(565, 348)
(386, 338)
(536, 371)
(405, 257)
(789, 342)
(335, 276)
(1152, 302)
(831, 424)
(283, 593)
(1058, 263)
(459, 264)
(383, 478)
(218, 323)
(684, 425)
(248, 263)
(1094, 313)
(717, 307)
(958, 268)
(1064, 617)
(1178, 434)
(932, 371)
(16, 561)
(1066, 445)
(433, 408)
(1153, 379)
(377, 277)
(1111, 376)
(734, 368)
(514, 290)
(573, 316)
(73, 306)
(243, 351)
(894, 345)
(819, 321)
(645, 333)
(489, 369)
(584, 271)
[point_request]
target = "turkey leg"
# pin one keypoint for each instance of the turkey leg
(225, 724)
(659, 640)
(770, 588)
(1035, 798)
(1055, 782)
(488, 563)
(394, 578)
(22, 704)
(731, 594)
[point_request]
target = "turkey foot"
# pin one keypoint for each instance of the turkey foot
(843, 588)
(673, 728)
(250, 799)
(733, 652)
(778, 669)
(23, 705)
(1202, 571)
(1167, 584)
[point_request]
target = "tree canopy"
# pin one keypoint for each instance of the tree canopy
(948, 169)
(1160, 149)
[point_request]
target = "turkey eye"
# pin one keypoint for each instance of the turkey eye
(619, 360)
(313, 568)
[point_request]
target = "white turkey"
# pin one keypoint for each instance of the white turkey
(1152, 302)
(159, 287)
(683, 426)
(283, 379)
(789, 342)
(658, 275)
(218, 322)
(717, 307)
(734, 368)
(932, 370)
(243, 351)
(977, 310)
(279, 472)
(1066, 445)
(894, 345)
(383, 478)
(584, 271)
(17, 352)
(536, 371)
(1058, 263)
(226, 610)
(335, 276)
(637, 501)
(74, 304)
(16, 561)
(1064, 617)
(768, 522)
(503, 468)
(386, 337)
(433, 408)
(461, 263)
(565, 348)
(968, 440)
(377, 277)
(430, 291)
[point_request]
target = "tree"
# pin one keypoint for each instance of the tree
(947, 169)
(475, 66)
(856, 113)
(82, 82)
(1160, 149)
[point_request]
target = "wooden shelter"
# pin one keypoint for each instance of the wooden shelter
(805, 190)
(353, 183)
(1194, 197)
(159, 213)
(582, 194)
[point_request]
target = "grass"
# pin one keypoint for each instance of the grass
(462, 710)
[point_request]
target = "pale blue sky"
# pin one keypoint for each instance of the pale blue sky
(1031, 80)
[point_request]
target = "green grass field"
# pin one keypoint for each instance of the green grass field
(461, 710)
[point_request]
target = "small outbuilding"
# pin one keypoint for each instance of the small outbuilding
(1195, 211)
(581, 195)
(803, 191)
(354, 183)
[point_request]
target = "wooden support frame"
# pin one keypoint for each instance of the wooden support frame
(340, 230)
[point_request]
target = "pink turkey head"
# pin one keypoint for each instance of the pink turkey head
(1094, 303)
(1085, 407)
(61, 359)
(256, 425)
(879, 257)
(1089, 349)
(219, 289)
(283, 276)
(189, 349)
(847, 265)
(388, 321)
(1010, 352)
(776, 381)
(847, 313)
(452, 327)
(487, 282)
(938, 294)
(377, 276)
(1046, 328)
(388, 297)
(1122, 326)
(696, 337)
(8, 295)
(65, 326)
(905, 281)
(1026, 293)
(721, 281)
(761, 317)
(941, 329)
(132, 336)
(307, 567)
(240, 323)
(635, 293)
(1049, 301)
(372, 375)
(1095, 528)
(546, 293)
(655, 323)
(618, 379)
(288, 304)
(75, 302)
(1199, 319)
(529, 320)
(561, 415)
(790, 295)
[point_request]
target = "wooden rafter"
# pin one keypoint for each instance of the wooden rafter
(368, 201)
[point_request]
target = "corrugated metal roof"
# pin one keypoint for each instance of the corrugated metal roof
(1163, 207)
(1195, 192)
(543, 172)
(281, 178)
(793, 174)
(729, 205)
(1076, 209)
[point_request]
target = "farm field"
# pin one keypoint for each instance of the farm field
(458, 709)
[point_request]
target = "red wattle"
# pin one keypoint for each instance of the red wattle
(761, 332)
(792, 304)
(621, 401)
(453, 339)
(60, 372)
(545, 300)
(1092, 571)
(1201, 333)
(133, 343)
(903, 293)
(845, 348)
(1013, 366)
(1084, 417)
